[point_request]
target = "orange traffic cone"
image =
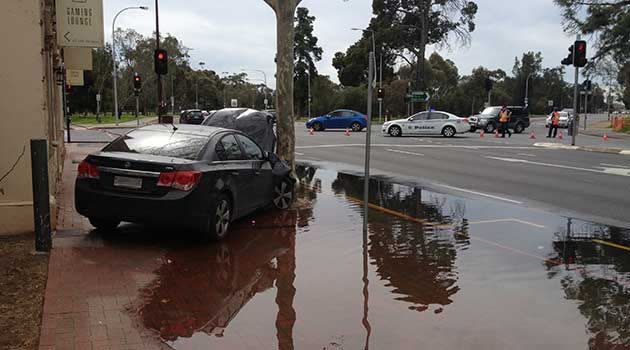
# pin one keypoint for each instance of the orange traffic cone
(482, 134)
(560, 136)
(605, 136)
(496, 134)
(311, 132)
(532, 135)
(347, 133)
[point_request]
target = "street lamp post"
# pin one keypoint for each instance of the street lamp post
(527, 89)
(309, 93)
(265, 80)
(201, 64)
(114, 69)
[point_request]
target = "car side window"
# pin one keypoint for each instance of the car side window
(335, 114)
(347, 114)
(437, 116)
(420, 117)
(252, 151)
(228, 149)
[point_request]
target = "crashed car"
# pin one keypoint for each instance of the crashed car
(191, 176)
(258, 125)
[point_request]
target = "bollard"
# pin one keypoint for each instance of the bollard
(41, 204)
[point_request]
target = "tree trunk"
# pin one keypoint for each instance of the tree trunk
(285, 14)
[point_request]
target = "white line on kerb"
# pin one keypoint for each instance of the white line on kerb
(480, 194)
(615, 165)
(404, 152)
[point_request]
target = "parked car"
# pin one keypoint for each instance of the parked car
(258, 125)
(192, 176)
(428, 122)
(192, 116)
(488, 119)
(339, 119)
(565, 119)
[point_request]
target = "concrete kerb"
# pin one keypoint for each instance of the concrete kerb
(551, 145)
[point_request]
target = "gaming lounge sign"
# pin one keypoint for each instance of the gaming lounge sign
(80, 23)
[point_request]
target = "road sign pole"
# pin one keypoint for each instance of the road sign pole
(576, 96)
(368, 141)
(585, 108)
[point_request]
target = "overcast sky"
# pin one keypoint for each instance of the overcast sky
(240, 34)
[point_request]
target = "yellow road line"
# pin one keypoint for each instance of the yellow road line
(506, 220)
(610, 244)
(388, 211)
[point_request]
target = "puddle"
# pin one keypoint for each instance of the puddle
(437, 271)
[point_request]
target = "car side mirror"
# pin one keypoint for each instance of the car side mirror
(410, 119)
(328, 117)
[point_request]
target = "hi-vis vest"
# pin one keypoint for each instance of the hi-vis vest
(504, 117)
(555, 118)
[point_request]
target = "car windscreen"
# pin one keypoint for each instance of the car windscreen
(493, 111)
(159, 143)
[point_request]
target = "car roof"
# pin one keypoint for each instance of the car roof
(195, 130)
(346, 110)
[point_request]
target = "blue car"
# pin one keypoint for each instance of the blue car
(339, 119)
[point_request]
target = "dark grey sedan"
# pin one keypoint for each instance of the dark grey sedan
(190, 176)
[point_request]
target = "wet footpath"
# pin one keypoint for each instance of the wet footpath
(432, 271)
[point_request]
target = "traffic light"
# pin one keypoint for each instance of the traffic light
(488, 84)
(380, 93)
(569, 59)
(137, 82)
(161, 61)
(579, 59)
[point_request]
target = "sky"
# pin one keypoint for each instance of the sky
(229, 36)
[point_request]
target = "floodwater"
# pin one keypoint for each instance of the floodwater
(436, 272)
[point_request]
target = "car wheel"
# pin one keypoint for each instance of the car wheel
(219, 221)
(449, 131)
(518, 128)
(395, 131)
(318, 126)
(283, 194)
(356, 127)
(490, 128)
(104, 224)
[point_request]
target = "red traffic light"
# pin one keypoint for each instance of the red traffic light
(160, 55)
(581, 47)
(137, 78)
(161, 61)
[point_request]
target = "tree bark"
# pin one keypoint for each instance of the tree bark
(285, 14)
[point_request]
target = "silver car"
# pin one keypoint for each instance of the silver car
(427, 123)
(565, 120)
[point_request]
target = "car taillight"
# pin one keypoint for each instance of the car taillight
(181, 180)
(88, 171)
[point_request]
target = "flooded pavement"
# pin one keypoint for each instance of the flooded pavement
(437, 271)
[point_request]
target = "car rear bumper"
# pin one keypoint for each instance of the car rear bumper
(183, 209)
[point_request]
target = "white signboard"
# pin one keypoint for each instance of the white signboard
(80, 23)
(74, 77)
(550, 103)
(98, 97)
(234, 103)
(77, 58)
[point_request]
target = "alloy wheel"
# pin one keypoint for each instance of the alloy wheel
(283, 196)
(222, 219)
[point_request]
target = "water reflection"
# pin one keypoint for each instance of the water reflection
(417, 259)
(203, 289)
(597, 276)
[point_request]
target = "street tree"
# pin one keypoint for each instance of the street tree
(285, 16)
(306, 53)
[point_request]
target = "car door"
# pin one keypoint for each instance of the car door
(262, 178)
(239, 172)
(435, 123)
(346, 119)
(417, 124)
(333, 120)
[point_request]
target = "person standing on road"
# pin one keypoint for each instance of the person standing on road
(504, 119)
(553, 126)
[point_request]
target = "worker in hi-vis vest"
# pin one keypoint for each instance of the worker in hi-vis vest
(553, 125)
(504, 119)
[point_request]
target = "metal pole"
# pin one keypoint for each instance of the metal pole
(489, 98)
(114, 69)
(41, 201)
(527, 89)
(309, 94)
(160, 98)
(197, 94)
(585, 107)
(380, 85)
(137, 110)
(65, 107)
(368, 134)
(576, 96)
(172, 95)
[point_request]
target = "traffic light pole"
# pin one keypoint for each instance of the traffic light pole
(137, 110)
(380, 86)
(576, 97)
(160, 98)
(368, 142)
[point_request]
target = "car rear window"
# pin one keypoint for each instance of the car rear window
(159, 143)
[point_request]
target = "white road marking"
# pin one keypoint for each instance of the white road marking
(299, 154)
(416, 146)
(615, 165)
(526, 155)
(404, 152)
(480, 194)
(610, 171)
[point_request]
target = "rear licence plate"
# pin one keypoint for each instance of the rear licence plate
(128, 182)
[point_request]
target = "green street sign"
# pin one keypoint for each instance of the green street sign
(419, 96)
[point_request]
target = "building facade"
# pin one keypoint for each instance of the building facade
(30, 107)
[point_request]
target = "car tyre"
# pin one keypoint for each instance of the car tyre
(317, 126)
(395, 131)
(218, 223)
(104, 224)
(283, 194)
(449, 131)
(356, 127)
(490, 128)
(518, 128)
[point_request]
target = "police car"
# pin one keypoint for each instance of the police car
(427, 123)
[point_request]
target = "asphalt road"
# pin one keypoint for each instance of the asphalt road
(588, 185)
